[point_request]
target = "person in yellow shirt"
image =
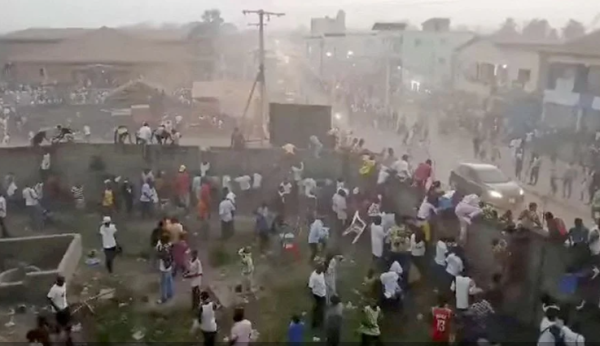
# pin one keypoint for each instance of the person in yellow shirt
(108, 199)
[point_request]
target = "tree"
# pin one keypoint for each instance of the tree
(508, 28)
(213, 17)
(573, 29)
(537, 29)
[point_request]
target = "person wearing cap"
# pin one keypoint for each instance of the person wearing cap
(183, 186)
(109, 242)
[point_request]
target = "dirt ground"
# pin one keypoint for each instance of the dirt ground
(131, 314)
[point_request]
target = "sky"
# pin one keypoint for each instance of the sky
(21, 14)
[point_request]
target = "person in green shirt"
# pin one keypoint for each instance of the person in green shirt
(369, 326)
(596, 204)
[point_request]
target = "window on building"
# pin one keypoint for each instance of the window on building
(523, 76)
(418, 42)
(594, 80)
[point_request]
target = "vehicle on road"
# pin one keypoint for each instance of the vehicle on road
(489, 183)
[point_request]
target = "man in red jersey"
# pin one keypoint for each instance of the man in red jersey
(441, 318)
(422, 174)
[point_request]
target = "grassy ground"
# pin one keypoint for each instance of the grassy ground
(283, 288)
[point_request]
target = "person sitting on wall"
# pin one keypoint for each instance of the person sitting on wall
(121, 134)
(161, 134)
(64, 132)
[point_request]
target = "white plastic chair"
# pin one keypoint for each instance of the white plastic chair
(357, 227)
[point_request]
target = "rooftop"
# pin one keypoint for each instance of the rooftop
(105, 45)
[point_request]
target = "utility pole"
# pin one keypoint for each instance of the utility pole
(260, 78)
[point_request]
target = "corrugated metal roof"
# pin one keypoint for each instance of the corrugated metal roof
(106, 45)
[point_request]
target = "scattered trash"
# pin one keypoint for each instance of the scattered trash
(350, 306)
(9, 323)
(419, 317)
(92, 258)
(316, 339)
(254, 335)
(141, 259)
(76, 328)
(122, 305)
(357, 292)
(138, 335)
(226, 339)
(106, 293)
(304, 313)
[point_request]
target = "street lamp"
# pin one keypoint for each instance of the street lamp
(350, 53)
(329, 54)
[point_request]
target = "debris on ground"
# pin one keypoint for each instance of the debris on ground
(10, 323)
(138, 335)
(76, 328)
(106, 293)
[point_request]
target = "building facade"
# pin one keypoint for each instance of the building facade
(484, 66)
(571, 84)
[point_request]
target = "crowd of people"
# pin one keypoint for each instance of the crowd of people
(468, 308)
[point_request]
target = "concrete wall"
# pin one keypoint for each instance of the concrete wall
(53, 255)
(72, 162)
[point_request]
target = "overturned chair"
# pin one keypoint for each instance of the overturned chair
(356, 227)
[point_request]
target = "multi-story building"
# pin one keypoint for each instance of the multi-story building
(487, 65)
(571, 84)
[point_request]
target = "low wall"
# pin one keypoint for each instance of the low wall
(53, 255)
(72, 162)
(540, 263)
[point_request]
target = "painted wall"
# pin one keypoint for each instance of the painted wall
(427, 56)
(486, 52)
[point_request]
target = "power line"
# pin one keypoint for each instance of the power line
(260, 77)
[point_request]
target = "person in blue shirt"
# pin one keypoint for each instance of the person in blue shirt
(296, 330)
(317, 234)
(262, 227)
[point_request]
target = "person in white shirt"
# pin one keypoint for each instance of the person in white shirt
(256, 181)
(317, 235)
(402, 168)
(87, 133)
(241, 331)
(377, 239)
(441, 250)
(45, 165)
(194, 273)
(454, 264)
(33, 206)
(226, 214)
(206, 320)
(109, 242)
(144, 134)
(310, 186)
(3, 209)
(244, 182)
(463, 287)
(204, 168)
(297, 172)
(390, 281)
(318, 288)
(383, 175)
(552, 328)
(594, 240)
(340, 208)
(147, 197)
(57, 296)
(417, 250)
